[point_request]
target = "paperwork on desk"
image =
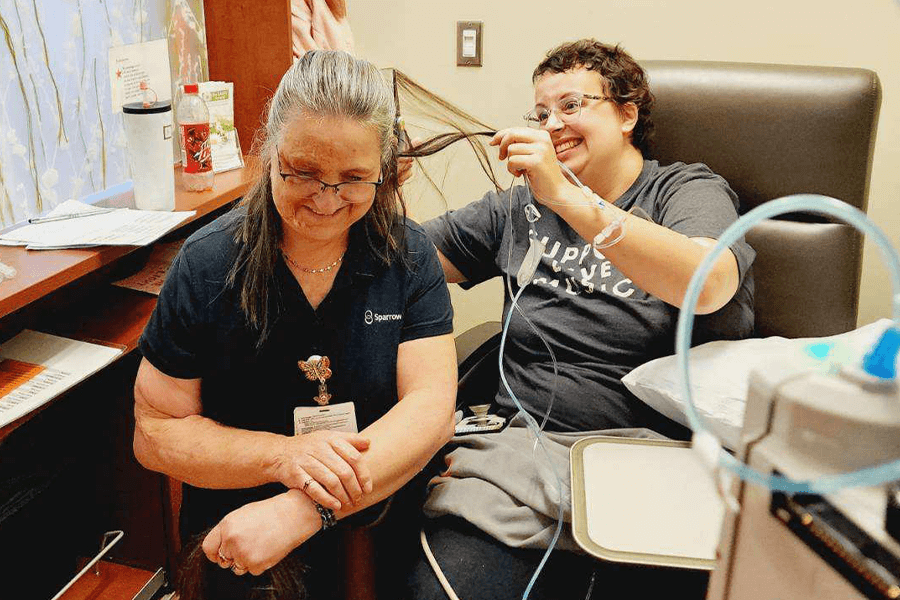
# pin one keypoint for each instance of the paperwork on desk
(119, 227)
(36, 367)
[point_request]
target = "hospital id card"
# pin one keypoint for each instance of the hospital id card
(332, 417)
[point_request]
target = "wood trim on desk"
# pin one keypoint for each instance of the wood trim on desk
(41, 272)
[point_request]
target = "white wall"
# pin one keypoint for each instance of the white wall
(418, 37)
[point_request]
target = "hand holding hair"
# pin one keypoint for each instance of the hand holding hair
(404, 169)
(283, 581)
(530, 152)
(258, 535)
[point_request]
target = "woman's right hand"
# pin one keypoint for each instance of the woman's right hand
(530, 152)
(327, 466)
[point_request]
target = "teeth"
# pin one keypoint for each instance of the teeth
(566, 145)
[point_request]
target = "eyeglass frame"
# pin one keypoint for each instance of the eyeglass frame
(325, 186)
(579, 96)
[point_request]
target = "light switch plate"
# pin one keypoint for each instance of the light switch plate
(468, 43)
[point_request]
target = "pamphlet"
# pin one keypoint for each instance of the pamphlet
(223, 139)
(74, 224)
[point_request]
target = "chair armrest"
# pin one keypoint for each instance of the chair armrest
(476, 357)
(470, 344)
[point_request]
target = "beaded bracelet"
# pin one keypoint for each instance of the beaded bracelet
(328, 518)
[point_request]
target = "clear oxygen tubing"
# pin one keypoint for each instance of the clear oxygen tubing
(869, 476)
(515, 304)
(533, 427)
(530, 421)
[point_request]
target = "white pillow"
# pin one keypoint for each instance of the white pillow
(720, 373)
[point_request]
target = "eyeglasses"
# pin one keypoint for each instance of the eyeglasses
(352, 192)
(567, 110)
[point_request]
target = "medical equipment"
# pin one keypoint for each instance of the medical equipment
(803, 531)
(523, 279)
(803, 545)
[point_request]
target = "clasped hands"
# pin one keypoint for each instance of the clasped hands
(327, 466)
(323, 467)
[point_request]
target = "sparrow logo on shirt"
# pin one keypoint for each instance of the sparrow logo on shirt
(371, 317)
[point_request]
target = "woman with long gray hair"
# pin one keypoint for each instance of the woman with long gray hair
(299, 365)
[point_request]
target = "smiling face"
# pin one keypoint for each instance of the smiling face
(334, 150)
(596, 141)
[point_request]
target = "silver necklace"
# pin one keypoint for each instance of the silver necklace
(322, 270)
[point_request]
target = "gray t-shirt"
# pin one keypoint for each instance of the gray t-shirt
(599, 324)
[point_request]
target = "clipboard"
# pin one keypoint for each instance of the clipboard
(644, 502)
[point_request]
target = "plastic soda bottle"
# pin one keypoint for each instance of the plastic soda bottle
(193, 125)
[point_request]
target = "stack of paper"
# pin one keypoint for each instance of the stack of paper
(75, 224)
(36, 367)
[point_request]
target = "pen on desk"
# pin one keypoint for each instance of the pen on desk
(91, 213)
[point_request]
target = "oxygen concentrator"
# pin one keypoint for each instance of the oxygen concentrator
(783, 546)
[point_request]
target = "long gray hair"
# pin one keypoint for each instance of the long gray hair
(321, 83)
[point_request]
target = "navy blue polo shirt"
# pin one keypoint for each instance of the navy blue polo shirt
(199, 331)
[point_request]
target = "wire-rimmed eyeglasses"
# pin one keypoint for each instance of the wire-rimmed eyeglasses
(349, 191)
(567, 110)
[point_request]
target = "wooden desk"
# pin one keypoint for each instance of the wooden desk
(67, 470)
(119, 315)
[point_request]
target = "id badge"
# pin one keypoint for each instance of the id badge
(332, 417)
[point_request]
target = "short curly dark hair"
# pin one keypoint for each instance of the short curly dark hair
(624, 79)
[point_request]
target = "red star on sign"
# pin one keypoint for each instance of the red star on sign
(119, 74)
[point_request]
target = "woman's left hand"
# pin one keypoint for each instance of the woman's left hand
(256, 536)
(530, 152)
